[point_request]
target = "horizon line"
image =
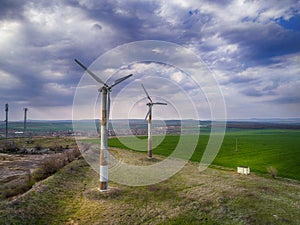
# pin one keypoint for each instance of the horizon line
(203, 119)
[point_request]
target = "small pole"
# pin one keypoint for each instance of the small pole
(25, 119)
(25, 127)
(149, 133)
(103, 143)
(236, 148)
(6, 122)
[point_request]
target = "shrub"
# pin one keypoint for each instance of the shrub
(10, 147)
(56, 148)
(38, 147)
(49, 166)
(76, 152)
(272, 171)
(52, 163)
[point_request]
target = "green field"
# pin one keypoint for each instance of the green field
(256, 148)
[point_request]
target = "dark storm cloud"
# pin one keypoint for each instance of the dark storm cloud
(287, 100)
(260, 43)
(254, 92)
(11, 9)
(33, 89)
(126, 17)
(41, 57)
(136, 20)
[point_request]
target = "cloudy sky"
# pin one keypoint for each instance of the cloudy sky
(252, 48)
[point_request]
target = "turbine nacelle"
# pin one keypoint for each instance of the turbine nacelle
(151, 103)
(101, 81)
(105, 86)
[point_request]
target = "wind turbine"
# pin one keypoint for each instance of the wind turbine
(149, 115)
(105, 107)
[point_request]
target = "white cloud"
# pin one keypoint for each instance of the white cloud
(9, 33)
(58, 89)
(11, 41)
(177, 76)
(53, 75)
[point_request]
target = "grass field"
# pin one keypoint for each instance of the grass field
(212, 197)
(256, 148)
(261, 149)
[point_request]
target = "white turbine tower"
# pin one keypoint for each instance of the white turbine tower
(105, 107)
(149, 115)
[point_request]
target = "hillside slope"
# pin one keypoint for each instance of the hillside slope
(212, 197)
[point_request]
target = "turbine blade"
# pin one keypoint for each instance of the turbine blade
(147, 113)
(120, 80)
(90, 72)
(108, 105)
(146, 93)
(159, 103)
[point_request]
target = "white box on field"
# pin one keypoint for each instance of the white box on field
(245, 170)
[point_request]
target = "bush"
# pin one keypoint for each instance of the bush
(56, 148)
(76, 152)
(53, 163)
(38, 147)
(10, 147)
(49, 166)
(272, 171)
